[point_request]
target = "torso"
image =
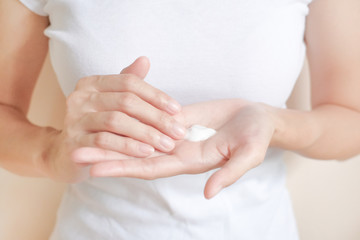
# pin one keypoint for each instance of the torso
(251, 49)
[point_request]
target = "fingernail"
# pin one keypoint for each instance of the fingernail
(179, 130)
(146, 149)
(167, 142)
(173, 106)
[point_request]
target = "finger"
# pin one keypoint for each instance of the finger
(146, 168)
(116, 143)
(140, 67)
(121, 124)
(85, 155)
(131, 79)
(241, 161)
(137, 86)
(139, 109)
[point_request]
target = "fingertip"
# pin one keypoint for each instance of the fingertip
(213, 186)
(139, 67)
(167, 144)
(146, 150)
(212, 191)
(178, 131)
(145, 59)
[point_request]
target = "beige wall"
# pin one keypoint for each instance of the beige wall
(325, 193)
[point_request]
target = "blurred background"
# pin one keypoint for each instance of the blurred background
(325, 194)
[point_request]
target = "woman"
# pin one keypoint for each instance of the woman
(231, 65)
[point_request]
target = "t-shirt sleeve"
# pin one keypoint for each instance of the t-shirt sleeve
(36, 6)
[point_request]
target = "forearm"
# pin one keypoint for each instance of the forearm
(326, 132)
(23, 146)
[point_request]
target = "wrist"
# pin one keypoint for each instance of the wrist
(277, 122)
(293, 129)
(49, 149)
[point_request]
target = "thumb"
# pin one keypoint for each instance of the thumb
(140, 67)
(242, 160)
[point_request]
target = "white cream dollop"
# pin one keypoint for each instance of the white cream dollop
(197, 133)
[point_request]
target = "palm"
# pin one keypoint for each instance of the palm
(239, 145)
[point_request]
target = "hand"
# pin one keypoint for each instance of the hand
(239, 145)
(114, 117)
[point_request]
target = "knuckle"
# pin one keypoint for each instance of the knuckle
(71, 132)
(93, 97)
(129, 146)
(76, 98)
(129, 82)
(164, 117)
(165, 120)
(85, 81)
(127, 100)
(81, 83)
(101, 140)
(151, 135)
(162, 98)
(112, 121)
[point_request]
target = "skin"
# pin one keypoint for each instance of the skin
(245, 129)
(94, 109)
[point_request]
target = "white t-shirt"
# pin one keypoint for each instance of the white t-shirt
(250, 49)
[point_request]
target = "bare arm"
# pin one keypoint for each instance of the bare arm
(332, 129)
(107, 117)
(23, 48)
